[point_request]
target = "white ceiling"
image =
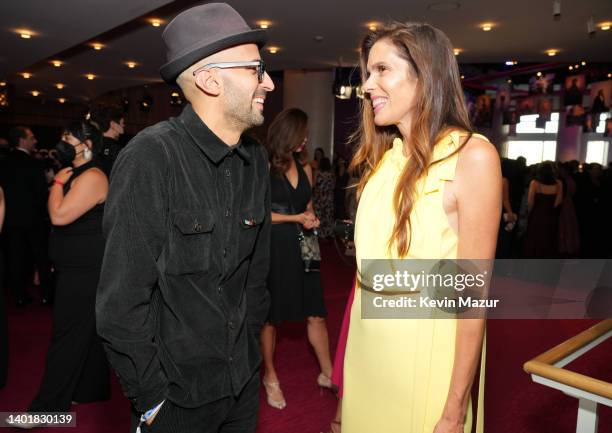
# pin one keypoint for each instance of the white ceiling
(525, 29)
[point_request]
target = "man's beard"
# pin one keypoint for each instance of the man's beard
(239, 109)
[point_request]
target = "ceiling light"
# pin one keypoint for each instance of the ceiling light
(90, 76)
(61, 100)
(571, 68)
(576, 66)
(26, 75)
(175, 94)
(97, 46)
(264, 24)
(583, 63)
(605, 26)
(551, 53)
(25, 34)
(487, 27)
(457, 51)
(373, 26)
(273, 50)
(57, 63)
(2, 83)
(60, 86)
(35, 93)
(511, 62)
(462, 77)
(131, 65)
(155, 22)
(509, 81)
(539, 74)
(609, 75)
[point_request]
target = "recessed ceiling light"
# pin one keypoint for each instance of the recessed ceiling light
(2, 83)
(443, 6)
(60, 86)
(131, 65)
(551, 53)
(609, 75)
(576, 66)
(155, 22)
(487, 27)
(373, 26)
(90, 76)
(605, 26)
(583, 63)
(509, 81)
(457, 51)
(175, 94)
(97, 46)
(462, 77)
(273, 50)
(35, 93)
(511, 62)
(26, 75)
(264, 24)
(571, 68)
(539, 74)
(57, 63)
(25, 34)
(61, 100)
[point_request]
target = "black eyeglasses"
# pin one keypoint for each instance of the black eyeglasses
(258, 65)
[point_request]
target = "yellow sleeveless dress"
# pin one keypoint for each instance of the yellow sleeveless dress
(397, 371)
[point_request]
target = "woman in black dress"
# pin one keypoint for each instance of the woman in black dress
(76, 369)
(543, 200)
(296, 295)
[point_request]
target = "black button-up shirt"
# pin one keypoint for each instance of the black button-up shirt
(182, 294)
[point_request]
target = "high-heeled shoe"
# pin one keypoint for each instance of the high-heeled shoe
(274, 388)
(325, 381)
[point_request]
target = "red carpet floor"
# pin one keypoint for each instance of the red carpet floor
(514, 404)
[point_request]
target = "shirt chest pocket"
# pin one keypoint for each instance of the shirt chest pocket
(250, 225)
(190, 245)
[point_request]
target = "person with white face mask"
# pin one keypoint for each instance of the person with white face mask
(76, 369)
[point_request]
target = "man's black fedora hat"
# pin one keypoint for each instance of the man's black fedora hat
(201, 31)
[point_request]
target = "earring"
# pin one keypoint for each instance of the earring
(87, 154)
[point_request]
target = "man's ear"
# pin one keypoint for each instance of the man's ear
(209, 82)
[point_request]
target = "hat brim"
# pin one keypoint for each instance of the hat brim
(171, 70)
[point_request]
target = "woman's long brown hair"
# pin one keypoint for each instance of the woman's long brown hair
(440, 105)
(286, 132)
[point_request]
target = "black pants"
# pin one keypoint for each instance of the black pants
(76, 367)
(18, 242)
(228, 415)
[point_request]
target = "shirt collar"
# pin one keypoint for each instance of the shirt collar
(27, 152)
(214, 148)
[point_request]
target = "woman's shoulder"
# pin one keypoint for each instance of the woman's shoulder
(93, 176)
(478, 152)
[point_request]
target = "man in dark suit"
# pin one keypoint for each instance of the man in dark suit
(25, 227)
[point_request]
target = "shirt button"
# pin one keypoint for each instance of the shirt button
(231, 325)
(231, 359)
(228, 213)
(228, 173)
(220, 289)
